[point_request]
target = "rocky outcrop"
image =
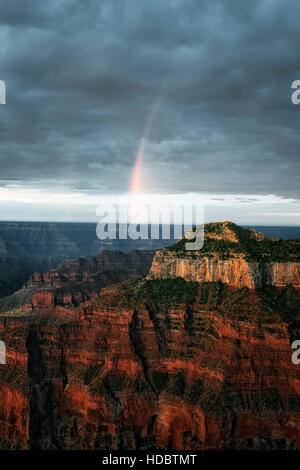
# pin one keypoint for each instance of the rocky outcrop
(282, 274)
(75, 281)
(28, 247)
(232, 255)
(14, 271)
(234, 271)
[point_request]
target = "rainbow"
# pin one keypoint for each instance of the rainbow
(135, 185)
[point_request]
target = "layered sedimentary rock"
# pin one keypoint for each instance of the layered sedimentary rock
(164, 364)
(235, 271)
(75, 281)
(235, 256)
(15, 271)
(150, 363)
(26, 247)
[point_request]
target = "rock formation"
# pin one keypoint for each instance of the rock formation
(26, 247)
(233, 255)
(162, 363)
(75, 281)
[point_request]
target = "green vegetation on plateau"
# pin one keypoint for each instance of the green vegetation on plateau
(169, 290)
(249, 244)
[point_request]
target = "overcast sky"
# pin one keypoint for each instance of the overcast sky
(207, 83)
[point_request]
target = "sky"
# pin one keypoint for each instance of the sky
(190, 97)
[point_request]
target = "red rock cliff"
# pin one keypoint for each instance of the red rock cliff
(234, 271)
(161, 363)
(235, 256)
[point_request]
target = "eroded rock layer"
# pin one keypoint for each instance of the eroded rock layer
(233, 255)
(196, 356)
(75, 281)
(164, 363)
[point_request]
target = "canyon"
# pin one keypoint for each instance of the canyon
(75, 281)
(28, 247)
(188, 351)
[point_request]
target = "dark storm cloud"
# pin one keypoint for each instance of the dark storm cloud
(211, 80)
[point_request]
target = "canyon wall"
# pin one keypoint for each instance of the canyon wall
(75, 281)
(234, 271)
(28, 247)
(197, 355)
(130, 369)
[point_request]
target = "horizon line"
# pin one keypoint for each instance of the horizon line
(95, 222)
